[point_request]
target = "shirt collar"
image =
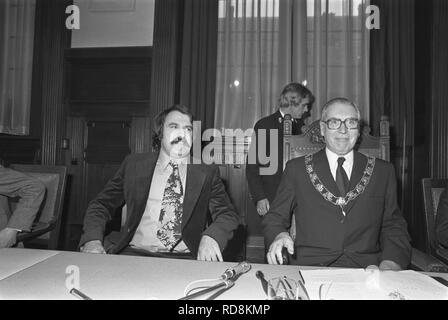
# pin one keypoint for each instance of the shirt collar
(333, 158)
(164, 159)
(283, 115)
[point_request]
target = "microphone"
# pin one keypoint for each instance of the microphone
(229, 284)
(226, 284)
(232, 272)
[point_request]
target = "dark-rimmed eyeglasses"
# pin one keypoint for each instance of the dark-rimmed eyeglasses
(335, 124)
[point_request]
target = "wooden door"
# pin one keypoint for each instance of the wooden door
(107, 144)
(97, 149)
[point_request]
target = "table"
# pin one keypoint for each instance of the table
(124, 277)
(42, 274)
(13, 261)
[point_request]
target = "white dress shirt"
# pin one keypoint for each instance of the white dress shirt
(333, 162)
(146, 235)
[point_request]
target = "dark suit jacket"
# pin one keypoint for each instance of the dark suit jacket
(442, 219)
(205, 202)
(265, 186)
(372, 230)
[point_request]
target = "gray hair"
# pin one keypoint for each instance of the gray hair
(342, 101)
(298, 88)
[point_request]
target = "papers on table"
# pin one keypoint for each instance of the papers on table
(361, 284)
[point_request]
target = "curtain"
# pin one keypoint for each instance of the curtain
(198, 69)
(439, 70)
(265, 44)
(392, 71)
(393, 94)
(16, 60)
(338, 50)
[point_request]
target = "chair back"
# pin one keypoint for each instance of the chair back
(312, 141)
(49, 216)
(432, 189)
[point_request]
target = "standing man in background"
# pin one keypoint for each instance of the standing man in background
(295, 100)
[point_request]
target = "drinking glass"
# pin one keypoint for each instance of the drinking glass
(282, 288)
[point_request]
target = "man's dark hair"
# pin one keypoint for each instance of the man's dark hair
(303, 91)
(159, 121)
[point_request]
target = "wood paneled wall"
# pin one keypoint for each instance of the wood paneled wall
(55, 38)
(107, 96)
(439, 98)
(167, 44)
(108, 82)
(439, 144)
(141, 135)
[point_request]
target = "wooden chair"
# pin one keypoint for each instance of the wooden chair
(46, 227)
(312, 141)
(432, 189)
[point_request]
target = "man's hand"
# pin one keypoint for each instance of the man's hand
(94, 246)
(8, 237)
(385, 265)
(389, 265)
(209, 250)
(372, 267)
(274, 255)
(262, 207)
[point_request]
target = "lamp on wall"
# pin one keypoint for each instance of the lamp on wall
(65, 143)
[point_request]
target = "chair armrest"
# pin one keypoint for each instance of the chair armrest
(442, 254)
(421, 261)
(36, 230)
(285, 256)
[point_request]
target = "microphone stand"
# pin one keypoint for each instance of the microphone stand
(227, 284)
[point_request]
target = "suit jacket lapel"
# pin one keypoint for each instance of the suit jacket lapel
(144, 171)
(195, 181)
(359, 164)
(322, 168)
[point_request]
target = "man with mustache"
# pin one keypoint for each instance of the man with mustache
(174, 208)
(345, 203)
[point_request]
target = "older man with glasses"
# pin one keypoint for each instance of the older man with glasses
(345, 203)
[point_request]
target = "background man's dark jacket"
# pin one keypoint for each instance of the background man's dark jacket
(265, 186)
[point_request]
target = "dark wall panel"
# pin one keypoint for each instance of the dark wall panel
(108, 81)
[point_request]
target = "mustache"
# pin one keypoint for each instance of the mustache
(178, 139)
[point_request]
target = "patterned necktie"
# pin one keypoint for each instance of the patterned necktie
(341, 177)
(170, 220)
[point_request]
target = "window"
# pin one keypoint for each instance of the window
(16, 56)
